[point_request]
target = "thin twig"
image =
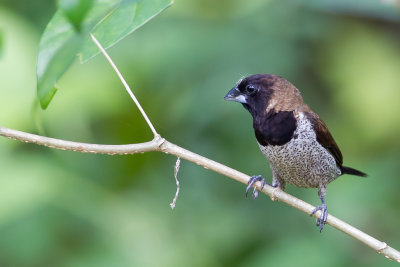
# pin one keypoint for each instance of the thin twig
(176, 170)
(128, 89)
(160, 144)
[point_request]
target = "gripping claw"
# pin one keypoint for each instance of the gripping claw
(253, 179)
(324, 214)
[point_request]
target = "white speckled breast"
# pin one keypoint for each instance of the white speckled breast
(302, 161)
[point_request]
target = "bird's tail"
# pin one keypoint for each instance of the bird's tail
(351, 171)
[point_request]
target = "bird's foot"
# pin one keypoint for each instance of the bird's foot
(324, 215)
(253, 179)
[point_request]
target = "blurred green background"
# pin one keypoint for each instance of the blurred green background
(62, 208)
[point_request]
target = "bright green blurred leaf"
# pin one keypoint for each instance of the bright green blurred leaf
(75, 10)
(110, 21)
(124, 20)
(57, 51)
(371, 82)
(59, 45)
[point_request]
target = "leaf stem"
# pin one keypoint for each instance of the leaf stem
(128, 89)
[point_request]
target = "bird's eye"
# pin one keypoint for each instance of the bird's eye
(250, 89)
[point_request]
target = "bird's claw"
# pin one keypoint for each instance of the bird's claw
(253, 179)
(324, 215)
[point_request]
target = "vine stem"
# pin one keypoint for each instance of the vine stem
(162, 145)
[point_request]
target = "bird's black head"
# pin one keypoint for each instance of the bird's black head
(264, 93)
(254, 92)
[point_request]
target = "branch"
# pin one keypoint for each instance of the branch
(162, 145)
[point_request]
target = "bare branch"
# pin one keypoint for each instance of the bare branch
(128, 89)
(82, 147)
(160, 144)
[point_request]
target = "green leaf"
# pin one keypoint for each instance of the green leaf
(75, 10)
(59, 45)
(109, 20)
(130, 16)
(57, 51)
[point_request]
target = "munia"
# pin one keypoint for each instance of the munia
(296, 142)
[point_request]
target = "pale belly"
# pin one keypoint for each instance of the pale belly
(302, 161)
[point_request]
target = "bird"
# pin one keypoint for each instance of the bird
(294, 139)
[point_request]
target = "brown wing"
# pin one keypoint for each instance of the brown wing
(325, 138)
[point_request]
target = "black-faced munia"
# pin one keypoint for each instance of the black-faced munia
(297, 143)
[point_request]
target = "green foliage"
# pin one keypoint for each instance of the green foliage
(110, 21)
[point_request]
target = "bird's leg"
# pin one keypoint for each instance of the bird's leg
(324, 211)
(252, 180)
(276, 182)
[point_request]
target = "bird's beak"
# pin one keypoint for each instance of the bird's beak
(235, 95)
